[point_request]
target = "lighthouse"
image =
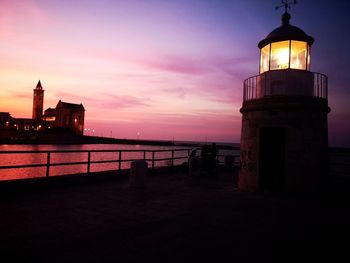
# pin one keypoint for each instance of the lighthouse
(284, 137)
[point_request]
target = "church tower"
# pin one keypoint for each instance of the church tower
(284, 139)
(38, 101)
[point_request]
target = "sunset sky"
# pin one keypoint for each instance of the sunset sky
(163, 69)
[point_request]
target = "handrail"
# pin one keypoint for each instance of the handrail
(281, 83)
(49, 153)
(82, 151)
(88, 161)
(334, 164)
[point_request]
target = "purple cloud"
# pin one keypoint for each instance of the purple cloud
(65, 96)
(178, 91)
(182, 65)
(120, 102)
(109, 101)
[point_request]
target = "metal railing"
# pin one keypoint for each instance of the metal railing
(339, 160)
(123, 156)
(48, 160)
(119, 160)
(285, 83)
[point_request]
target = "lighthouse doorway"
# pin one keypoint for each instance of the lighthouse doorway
(271, 160)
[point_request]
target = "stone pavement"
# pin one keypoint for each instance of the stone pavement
(173, 219)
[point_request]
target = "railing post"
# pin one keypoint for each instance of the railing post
(243, 90)
(88, 164)
(172, 158)
(144, 155)
(48, 164)
(256, 87)
(153, 160)
(120, 160)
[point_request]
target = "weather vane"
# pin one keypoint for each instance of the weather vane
(286, 4)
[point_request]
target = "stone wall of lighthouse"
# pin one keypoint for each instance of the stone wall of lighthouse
(303, 120)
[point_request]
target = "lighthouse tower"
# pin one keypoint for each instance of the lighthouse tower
(284, 139)
(38, 101)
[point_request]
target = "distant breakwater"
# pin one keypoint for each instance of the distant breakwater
(69, 138)
(65, 137)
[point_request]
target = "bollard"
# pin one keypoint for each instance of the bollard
(138, 171)
(193, 166)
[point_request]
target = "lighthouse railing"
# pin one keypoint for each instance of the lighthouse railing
(286, 83)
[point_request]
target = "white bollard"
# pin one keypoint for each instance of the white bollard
(138, 171)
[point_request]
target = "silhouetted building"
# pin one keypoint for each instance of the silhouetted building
(5, 120)
(66, 116)
(71, 116)
(50, 116)
(38, 101)
(284, 139)
(24, 124)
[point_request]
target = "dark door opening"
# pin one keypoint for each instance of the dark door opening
(272, 160)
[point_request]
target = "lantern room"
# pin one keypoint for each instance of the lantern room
(287, 47)
(284, 66)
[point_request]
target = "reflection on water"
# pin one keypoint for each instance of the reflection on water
(55, 158)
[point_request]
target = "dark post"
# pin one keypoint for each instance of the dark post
(172, 157)
(120, 160)
(153, 160)
(144, 155)
(48, 164)
(88, 164)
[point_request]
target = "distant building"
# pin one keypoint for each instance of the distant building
(65, 115)
(5, 120)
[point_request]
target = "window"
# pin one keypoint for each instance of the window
(298, 54)
(280, 55)
(264, 58)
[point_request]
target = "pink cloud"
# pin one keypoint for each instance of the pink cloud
(106, 101)
(16, 13)
(178, 64)
(65, 96)
(178, 91)
(217, 78)
(181, 64)
(120, 102)
(27, 9)
(22, 95)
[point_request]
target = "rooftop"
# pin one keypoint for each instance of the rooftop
(62, 104)
(286, 32)
(38, 86)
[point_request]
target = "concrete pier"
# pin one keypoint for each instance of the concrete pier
(174, 219)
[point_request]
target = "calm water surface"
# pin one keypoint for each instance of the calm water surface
(30, 158)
